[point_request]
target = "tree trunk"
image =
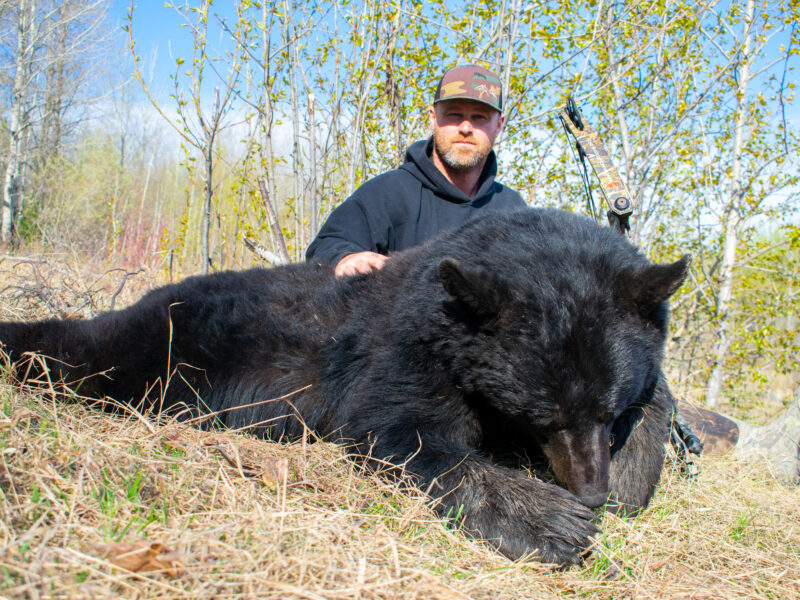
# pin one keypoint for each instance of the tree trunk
(208, 155)
(274, 227)
(394, 94)
(725, 319)
(16, 157)
(370, 59)
(267, 115)
(732, 218)
(313, 208)
(206, 214)
(297, 173)
(55, 88)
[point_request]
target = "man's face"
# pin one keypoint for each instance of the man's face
(464, 132)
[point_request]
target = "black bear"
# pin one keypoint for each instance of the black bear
(523, 342)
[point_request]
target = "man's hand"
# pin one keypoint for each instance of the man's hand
(360, 262)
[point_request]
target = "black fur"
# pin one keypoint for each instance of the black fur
(531, 339)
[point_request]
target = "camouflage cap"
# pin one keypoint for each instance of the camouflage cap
(470, 82)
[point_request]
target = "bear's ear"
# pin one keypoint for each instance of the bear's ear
(652, 285)
(482, 293)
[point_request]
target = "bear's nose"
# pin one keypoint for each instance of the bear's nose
(593, 500)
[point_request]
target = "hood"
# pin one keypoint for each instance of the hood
(420, 164)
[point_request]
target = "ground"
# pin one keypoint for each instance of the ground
(239, 517)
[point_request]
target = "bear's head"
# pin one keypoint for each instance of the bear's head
(568, 352)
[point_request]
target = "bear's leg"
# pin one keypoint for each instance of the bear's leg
(128, 354)
(518, 514)
(115, 354)
(636, 467)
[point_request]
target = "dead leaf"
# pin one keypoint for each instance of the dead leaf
(174, 445)
(274, 470)
(171, 440)
(244, 470)
(173, 434)
(142, 556)
(213, 440)
(613, 572)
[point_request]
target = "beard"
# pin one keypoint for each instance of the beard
(459, 157)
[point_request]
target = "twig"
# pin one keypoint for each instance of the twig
(262, 252)
(23, 259)
(122, 285)
(274, 226)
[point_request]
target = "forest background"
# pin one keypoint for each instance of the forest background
(254, 120)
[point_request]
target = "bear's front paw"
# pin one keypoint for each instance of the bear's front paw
(522, 516)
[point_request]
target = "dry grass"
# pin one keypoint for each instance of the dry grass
(237, 516)
(219, 514)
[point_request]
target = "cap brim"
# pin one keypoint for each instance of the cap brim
(471, 99)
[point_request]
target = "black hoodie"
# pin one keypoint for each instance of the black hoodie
(406, 207)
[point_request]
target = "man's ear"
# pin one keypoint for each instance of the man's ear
(432, 116)
(648, 287)
(501, 125)
(481, 293)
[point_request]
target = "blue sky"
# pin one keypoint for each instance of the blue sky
(159, 35)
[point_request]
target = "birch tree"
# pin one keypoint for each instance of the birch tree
(19, 124)
(753, 163)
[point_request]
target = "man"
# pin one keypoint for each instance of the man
(444, 181)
